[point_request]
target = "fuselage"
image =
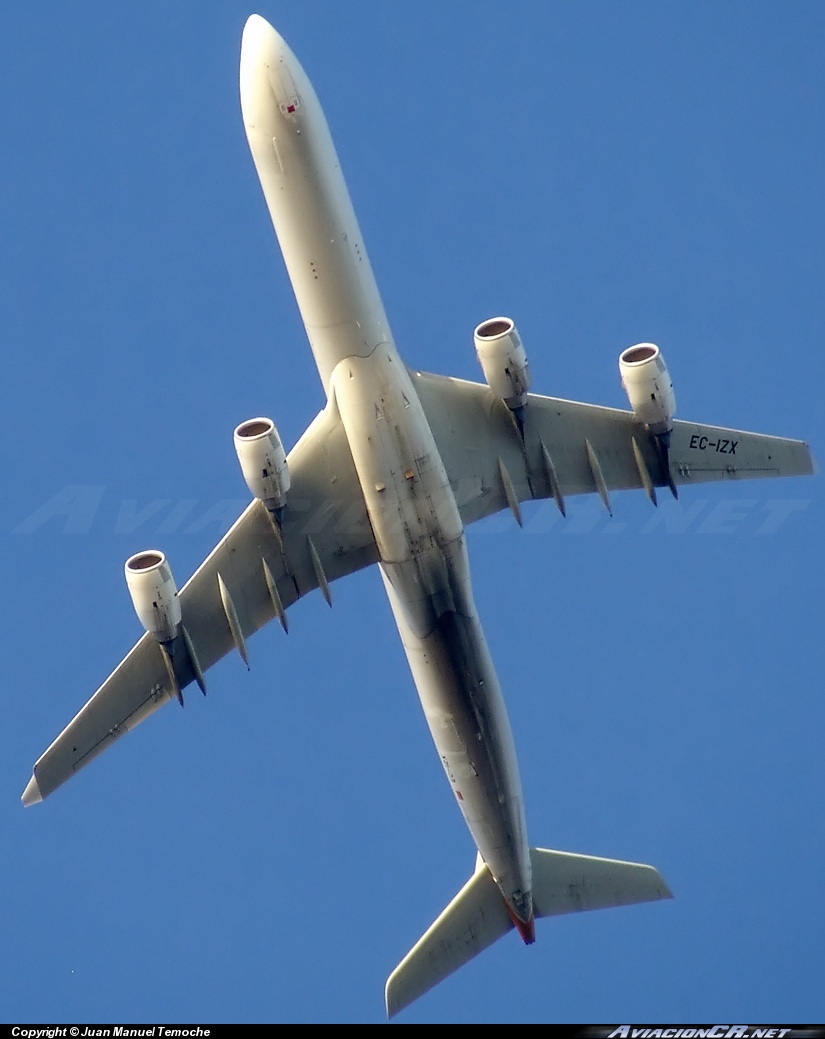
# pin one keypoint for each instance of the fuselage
(411, 506)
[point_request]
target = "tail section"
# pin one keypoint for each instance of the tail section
(479, 916)
(476, 917)
(565, 883)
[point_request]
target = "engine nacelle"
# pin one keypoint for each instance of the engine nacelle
(154, 595)
(648, 387)
(503, 360)
(263, 461)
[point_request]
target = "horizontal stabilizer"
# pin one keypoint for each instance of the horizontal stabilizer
(565, 883)
(475, 918)
(478, 916)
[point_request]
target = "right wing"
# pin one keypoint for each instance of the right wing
(477, 435)
(326, 534)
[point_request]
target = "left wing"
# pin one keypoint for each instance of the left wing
(325, 535)
(571, 448)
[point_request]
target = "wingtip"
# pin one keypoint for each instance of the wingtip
(31, 795)
(391, 1002)
(395, 998)
(663, 891)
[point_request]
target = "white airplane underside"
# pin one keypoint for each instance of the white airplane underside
(391, 472)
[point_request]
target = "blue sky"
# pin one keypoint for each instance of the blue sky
(604, 173)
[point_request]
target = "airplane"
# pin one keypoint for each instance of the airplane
(390, 473)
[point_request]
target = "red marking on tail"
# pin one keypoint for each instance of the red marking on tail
(527, 930)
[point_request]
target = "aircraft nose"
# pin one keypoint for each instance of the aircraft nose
(261, 42)
(256, 28)
(268, 67)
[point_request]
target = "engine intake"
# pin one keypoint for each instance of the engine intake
(648, 387)
(154, 595)
(503, 360)
(263, 461)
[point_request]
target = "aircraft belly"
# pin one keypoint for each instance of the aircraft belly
(405, 485)
(424, 565)
(464, 708)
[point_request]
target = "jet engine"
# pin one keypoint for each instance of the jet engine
(503, 361)
(648, 387)
(154, 595)
(263, 461)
